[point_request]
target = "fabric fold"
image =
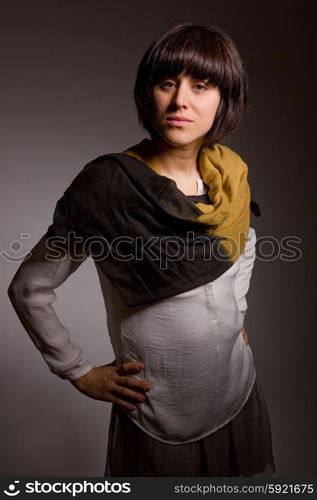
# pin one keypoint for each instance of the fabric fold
(150, 240)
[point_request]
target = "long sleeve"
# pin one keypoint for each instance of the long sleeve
(242, 281)
(31, 292)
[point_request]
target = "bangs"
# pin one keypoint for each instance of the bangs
(199, 52)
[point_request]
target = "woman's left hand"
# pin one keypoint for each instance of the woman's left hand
(245, 335)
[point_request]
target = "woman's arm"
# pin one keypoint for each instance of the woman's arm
(31, 292)
(242, 281)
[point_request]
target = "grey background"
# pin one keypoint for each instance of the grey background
(68, 69)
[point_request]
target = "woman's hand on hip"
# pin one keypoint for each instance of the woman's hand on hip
(245, 336)
(115, 384)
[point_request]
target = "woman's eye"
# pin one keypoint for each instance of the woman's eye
(201, 86)
(167, 84)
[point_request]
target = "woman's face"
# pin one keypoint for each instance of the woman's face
(179, 97)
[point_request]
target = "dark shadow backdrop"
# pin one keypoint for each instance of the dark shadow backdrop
(68, 69)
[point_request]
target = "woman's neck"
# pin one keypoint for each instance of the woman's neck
(177, 161)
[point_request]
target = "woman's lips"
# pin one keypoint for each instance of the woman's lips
(177, 122)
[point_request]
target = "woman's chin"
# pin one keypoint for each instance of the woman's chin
(179, 138)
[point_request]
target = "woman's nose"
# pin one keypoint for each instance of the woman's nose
(181, 96)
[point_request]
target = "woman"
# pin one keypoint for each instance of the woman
(167, 222)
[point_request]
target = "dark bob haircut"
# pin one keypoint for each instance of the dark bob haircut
(206, 52)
